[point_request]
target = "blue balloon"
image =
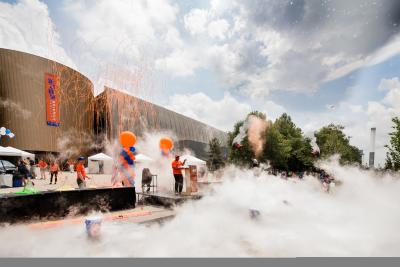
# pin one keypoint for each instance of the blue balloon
(8, 131)
(132, 149)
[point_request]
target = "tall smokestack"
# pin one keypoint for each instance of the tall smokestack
(372, 151)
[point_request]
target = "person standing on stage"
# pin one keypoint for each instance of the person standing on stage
(177, 167)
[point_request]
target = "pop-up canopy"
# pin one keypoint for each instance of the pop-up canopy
(94, 163)
(101, 156)
(192, 160)
(4, 151)
(141, 158)
(19, 153)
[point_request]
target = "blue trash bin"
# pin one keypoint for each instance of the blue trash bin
(17, 180)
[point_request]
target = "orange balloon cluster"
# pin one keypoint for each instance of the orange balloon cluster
(166, 144)
(127, 139)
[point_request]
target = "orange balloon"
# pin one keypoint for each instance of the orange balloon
(166, 143)
(127, 139)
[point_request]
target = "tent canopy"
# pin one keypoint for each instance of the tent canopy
(17, 152)
(143, 158)
(4, 151)
(101, 156)
(191, 160)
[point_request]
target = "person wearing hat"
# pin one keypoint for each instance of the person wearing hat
(81, 173)
(177, 167)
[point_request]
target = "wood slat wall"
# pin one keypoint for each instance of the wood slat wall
(22, 87)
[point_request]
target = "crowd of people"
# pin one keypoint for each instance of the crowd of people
(327, 180)
(27, 169)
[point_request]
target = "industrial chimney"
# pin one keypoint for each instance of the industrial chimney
(372, 151)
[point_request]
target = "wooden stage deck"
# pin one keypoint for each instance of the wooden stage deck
(166, 199)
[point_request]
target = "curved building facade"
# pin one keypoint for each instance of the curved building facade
(51, 108)
(43, 102)
(117, 111)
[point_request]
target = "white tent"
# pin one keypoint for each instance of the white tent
(94, 161)
(191, 160)
(141, 158)
(200, 164)
(20, 153)
(100, 156)
(4, 151)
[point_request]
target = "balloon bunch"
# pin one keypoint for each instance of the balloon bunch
(166, 146)
(127, 158)
(4, 131)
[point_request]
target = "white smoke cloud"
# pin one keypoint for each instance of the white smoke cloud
(256, 133)
(359, 218)
(254, 128)
(17, 108)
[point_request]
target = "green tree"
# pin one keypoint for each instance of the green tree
(277, 149)
(332, 140)
(388, 162)
(244, 154)
(286, 147)
(258, 114)
(215, 158)
(393, 155)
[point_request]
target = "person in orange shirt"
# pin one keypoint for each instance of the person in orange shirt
(54, 168)
(177, 167)
(81, 173)
(42, 166)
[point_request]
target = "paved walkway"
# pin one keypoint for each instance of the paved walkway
(141, 214)
(66, 180)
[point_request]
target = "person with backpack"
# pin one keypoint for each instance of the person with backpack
(26, 174)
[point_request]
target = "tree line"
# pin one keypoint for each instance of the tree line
(286, 147)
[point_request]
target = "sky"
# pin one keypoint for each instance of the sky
(216, 60)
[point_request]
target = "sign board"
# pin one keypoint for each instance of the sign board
(52, 92)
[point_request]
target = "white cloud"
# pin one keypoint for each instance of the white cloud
(256, 47)
(178, 63)
(218, 29)
(222, 113)
(389, 84)
(195, 21)
(359, 119)
(276, 45)
(139, 37)
(392, 48)
(125, 29)
(26, 26)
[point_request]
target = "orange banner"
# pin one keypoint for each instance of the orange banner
(52, 87)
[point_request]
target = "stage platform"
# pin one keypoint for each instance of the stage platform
(166, 199)
(50, 205)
